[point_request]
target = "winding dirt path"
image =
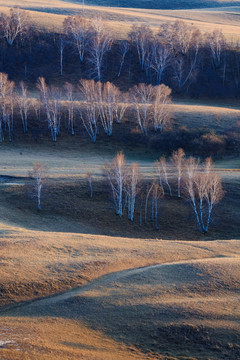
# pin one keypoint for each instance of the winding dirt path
(34, 307)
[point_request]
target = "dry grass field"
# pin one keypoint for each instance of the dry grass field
(124, 314)
(77, 282)
(50, 15)
(77, 242)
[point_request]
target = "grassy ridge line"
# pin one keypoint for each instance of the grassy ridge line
(50, 262)
(162, 4)
(143, 4)
(50, 16)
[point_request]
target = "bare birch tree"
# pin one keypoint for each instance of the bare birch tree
(156, 196)
(6, 105)
(162, 169)
(217, 45)
(38, 173)
(184, 71)
(89, 111)
(100, 44)
(61, 45)
(77, 29)
(68, 89)
(15, 25)
(116, 175)
(178, 161)
(185, 41)
(142, 96)
(159, 173)
(121, 106)
(108, 105)
(55, 111)
(123, 50)
(24, 105)
(52, 104)
(160, 109)
(161, 59)
(132, 187)
(142, 37)
(180, 36)
(204, 188)
(148, 193)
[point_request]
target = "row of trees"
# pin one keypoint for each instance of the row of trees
(176, 46)
(198, 182)
(106, 103)
(178, 54)
(93, 102)
(179, 47)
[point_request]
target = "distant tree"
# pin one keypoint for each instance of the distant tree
(77, 28)
(156, 196)
(55, 111)
(123, 50)
(142, 97)
(121, 106)
(68, 89)
(6, 105)
(148, 193)
(61, 45)
(217, 45)
(89, 110)
(184, 71)
(38, 173)
(42, 86)
(132, 187)
(108, 105)
(180, 37)
(116, 174)
(100, 44)
(51, 98)
(141, 36)
(160, 109)
(162, 168)
(178, 160)
(24, 104)
(159, 173)
(15, 25)
(184, 41)
(161, 59)
(204, 189)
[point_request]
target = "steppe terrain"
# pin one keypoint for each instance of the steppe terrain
(50, 14)
(77, 282)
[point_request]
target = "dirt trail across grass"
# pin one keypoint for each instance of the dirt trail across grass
(139, 307)
(34, 308)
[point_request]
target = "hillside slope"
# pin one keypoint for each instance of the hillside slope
(163, 4)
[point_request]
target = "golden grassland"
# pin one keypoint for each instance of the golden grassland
(50, 15)
(60, 339)
(137, 316)
(126, 318)
(186, 310)
(75, 155)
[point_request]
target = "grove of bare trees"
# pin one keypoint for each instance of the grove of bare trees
(197, 182)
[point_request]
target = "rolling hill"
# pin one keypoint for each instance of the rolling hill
(162, 4)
